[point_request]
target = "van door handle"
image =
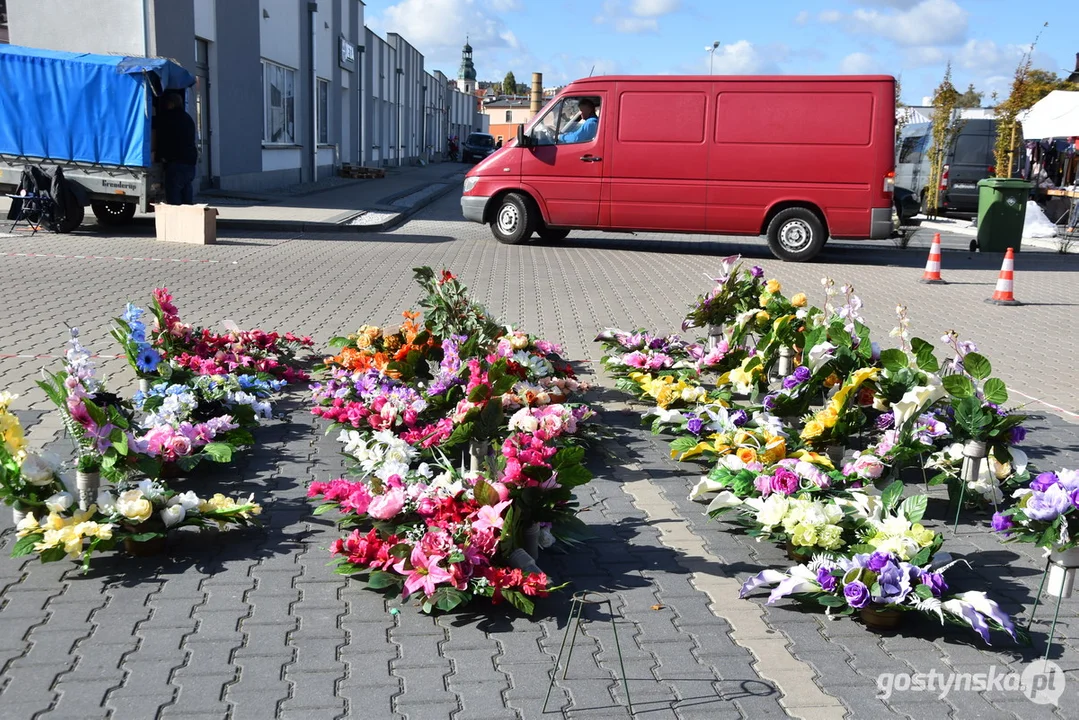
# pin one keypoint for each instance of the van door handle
(590, 158)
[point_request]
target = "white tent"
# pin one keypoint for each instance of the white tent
(1054, 116)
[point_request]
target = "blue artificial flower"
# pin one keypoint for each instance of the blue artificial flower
(276, 385)
(147, 359)
(138, 332)
(133, 313)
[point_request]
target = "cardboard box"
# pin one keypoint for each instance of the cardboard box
(193, 224)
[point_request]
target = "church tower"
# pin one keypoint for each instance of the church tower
(466, 76)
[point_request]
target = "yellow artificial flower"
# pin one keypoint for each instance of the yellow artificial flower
(773, 286)
(27, 526)
(831, 381)
(775, 449)
(55, 521)
(5, 400)
(133, 506)
(764, 299)
(828, 416)
(747, 455)
(763, 317)
(831, 537)
(922, 535)
(799, 300)
(804, 535)
(813, 430)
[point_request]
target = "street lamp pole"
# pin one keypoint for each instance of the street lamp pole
(712, 54)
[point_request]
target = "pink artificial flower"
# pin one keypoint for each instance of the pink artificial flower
(490, 516)
(358, 501)
(424, 575)
(179, 445)
(386, 506)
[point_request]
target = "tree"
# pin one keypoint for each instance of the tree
(970, 99)
(945, 127)
(509, 84)
(1043, 82)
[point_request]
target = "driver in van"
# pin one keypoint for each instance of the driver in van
(586, 128)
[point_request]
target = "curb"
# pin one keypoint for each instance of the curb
(301, 226)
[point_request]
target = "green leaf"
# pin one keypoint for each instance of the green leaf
(893, 360)
(977, 366)
(338, 342)
(830, 601)
(25, 545)
(922, 558)
(891, 494)
(143, 537)
(447, 598)
(958, 386)
(380, 579)
(573, 476)
(485, 494)
(995, 391)
(400, 551)
(324, 508)
(53, 555)
(927, 360)
(218, 452)
(682, 444)
(519, 600)
(924, 592)
(914, 507)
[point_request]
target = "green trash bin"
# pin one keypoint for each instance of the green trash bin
(1002, 210)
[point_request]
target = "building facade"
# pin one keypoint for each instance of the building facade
(287, 89)
(506, 115)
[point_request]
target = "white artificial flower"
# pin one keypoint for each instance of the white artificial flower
(60, 502)
(914, 400)
(523, 421)
(821, 353)
(773, 510)
(150, 490)
(173, 515)
(106, 500)
(667, 417)
(187, 500)
(27, 523)
(39, 469)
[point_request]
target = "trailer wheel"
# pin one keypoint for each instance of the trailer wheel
(113, 212)
(795, 235)
(513, 220)
(72, 221)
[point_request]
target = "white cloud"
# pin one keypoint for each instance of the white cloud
(802, 18)
(859, 63)
(642, 16)
(928, 22)
(654, 8)
(437, 28)
(506, 5)
(742, 58)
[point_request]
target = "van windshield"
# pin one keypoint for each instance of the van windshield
(972, 150)
(481, 140)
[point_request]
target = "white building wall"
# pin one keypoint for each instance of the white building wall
(280, 34)
(205, 19)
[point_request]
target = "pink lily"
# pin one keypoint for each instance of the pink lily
(425, 573)
(490, 516)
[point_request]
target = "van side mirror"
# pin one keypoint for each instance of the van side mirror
(522, 139)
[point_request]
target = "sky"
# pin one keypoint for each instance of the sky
(568, 39)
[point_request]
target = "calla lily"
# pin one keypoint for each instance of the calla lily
(915, 400)
(725, 499)
(704, 487)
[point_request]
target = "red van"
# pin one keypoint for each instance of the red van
(798, 159)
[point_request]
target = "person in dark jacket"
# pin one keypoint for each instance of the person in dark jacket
(178, 149)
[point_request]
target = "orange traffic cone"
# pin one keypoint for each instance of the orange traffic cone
(1004, 294)
(931, 276)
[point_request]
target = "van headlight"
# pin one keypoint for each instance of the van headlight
(470, 182)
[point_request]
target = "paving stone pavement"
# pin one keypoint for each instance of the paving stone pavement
(254, 625)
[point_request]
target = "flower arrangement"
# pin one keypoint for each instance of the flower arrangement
(842, 416)
(1046, 512)
(136, 512)
(27, 479)
(881, 582)
(130, 331)
(736, 290)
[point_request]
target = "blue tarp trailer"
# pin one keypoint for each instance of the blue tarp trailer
(90, 114)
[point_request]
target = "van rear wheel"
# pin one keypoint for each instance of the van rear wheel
(113, 212)
(552, 235)
(514, 220)
(795, 235)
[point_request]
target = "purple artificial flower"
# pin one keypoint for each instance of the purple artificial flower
(895, 582)
(739, 418)
(769, 402)
(1075, 498)
(856, 593)
(790, 382)
(695, 425)
(1002, 523)
(936, 583)
(785, 482)
(826, 580)
(657, 343)
(1069, 480)
(1047, 506)
(1043, 482)
(878, 560)
(1018, 434)
(756, 271)
(802, 373)
(885, 421)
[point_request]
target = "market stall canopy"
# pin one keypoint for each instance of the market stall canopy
(1054, 116)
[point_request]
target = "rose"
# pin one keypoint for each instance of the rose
(502, 489)
(812, 430)
(739, 418)
(133, 506)
(826, 580)
(1049, 505)
(773, 286)
(59, 502)
(1043, 481)
(38, 470)
(695, 425)
(856, 594)
(763, 483)
(187, 500)
(386, 506)
(868, 466)
(1002, 523)
(173, 515)
(799, 300)
(179, 445)
(936, 583)
(785, 482)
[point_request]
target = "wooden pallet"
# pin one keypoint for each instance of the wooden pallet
(361, 173)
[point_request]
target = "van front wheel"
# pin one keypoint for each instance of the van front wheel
(514, 220)
(795, 235)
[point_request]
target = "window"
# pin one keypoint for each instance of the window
(509, 116)
(973, 150)
(323, 112)
(910, 149)
(565, 122)
(279, 111)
